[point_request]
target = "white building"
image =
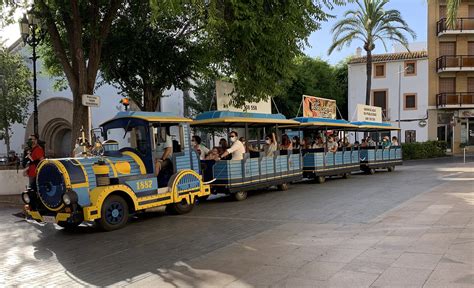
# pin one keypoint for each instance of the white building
(55, 111)
(404, 92)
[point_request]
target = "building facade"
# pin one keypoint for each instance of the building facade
(55, 110)
(399, 87)
(451, 75)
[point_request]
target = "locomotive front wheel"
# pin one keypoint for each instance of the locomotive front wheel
(114, 213)
(182, 207)
(240, 196)
(283, 187)
(321, 179)
(391, 168)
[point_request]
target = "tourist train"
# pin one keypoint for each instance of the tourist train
(142, 160)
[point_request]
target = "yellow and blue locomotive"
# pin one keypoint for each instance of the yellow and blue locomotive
(145, 161)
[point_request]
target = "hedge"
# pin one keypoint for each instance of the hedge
(423, 150)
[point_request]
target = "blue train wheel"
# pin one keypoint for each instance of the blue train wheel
(114, 214)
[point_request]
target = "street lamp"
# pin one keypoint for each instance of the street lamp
(32, 35)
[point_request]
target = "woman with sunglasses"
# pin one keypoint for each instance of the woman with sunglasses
(270, 145)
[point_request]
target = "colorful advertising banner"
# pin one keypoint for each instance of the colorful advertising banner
(366, 113)
(319, 107)
(224, 92)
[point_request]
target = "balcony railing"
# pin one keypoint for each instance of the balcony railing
(455, 63)
(462, 25)
(455, 100)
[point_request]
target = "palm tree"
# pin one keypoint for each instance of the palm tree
(370, 23)
(452, 7)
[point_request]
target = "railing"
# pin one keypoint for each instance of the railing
(455, 99)
(462, 24)
(454, 61)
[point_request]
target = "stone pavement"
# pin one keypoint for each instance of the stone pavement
(425, 242)
(410, 228)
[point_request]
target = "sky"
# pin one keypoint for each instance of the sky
(414, 12)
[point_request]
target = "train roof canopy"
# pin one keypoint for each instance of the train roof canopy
(313, 122)
(240, 119)
(374, 126)
(164, 117)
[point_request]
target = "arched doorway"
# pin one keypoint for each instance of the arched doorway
(55, 118)
(57, 135)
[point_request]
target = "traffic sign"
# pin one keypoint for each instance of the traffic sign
(90, 100)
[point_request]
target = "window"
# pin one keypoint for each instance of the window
(410, 101)
(379, 70)
(410, 136)
(447, 85)
(447, 48)
(379, 99)
(410, 68)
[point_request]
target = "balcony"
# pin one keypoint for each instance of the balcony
(462, 26)
(455, 100)
(455, 63)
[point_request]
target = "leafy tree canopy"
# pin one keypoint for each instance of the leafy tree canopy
(15, 92)
(253, 42)
(314, 77)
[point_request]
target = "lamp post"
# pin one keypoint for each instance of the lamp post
(32, 35)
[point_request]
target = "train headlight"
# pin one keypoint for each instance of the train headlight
(66, 199)
(70, 197)
(26, 198)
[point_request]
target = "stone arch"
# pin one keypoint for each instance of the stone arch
(54, 125)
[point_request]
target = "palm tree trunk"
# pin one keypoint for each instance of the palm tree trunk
(369, 77)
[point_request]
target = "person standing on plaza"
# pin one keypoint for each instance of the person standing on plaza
(34, 156)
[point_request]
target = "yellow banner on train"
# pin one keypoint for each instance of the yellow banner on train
(319, 107)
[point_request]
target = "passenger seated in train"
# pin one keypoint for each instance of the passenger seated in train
(296, 142)
(307, 143)
(164, 150)
(318, 142)
(223, 145)
(237, 149)
(331, 144)
(364, 144)
(213, 154)
(199, 147)
(395, 141)
(270, 146)
(286, 143)
(386, 142)
(356, 144)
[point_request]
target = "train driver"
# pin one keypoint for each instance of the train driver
(164, 149)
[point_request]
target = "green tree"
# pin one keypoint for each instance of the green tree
(15, 92)
(76, 31)
(314, 77)
(143, 58)
(254, 42)
(370, 23)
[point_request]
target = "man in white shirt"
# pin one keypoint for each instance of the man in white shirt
(165, 151)
(237, 149)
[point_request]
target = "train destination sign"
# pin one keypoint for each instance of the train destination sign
(369, 113)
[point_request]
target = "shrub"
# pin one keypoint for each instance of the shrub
(423, 150)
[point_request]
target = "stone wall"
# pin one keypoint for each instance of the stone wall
(12, 182)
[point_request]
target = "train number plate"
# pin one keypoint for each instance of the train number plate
(49, 219)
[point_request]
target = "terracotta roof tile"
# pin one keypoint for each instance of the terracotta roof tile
(391, 57)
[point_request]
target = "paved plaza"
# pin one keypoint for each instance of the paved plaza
(410, 228)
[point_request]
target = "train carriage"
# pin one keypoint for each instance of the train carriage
(320, 163)
(122, 178)
(378, 156)
(255, 171)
